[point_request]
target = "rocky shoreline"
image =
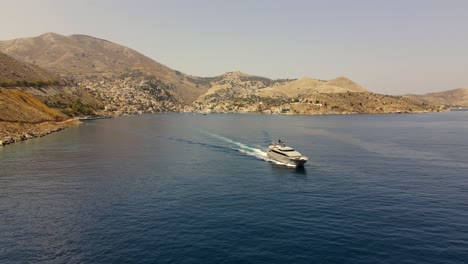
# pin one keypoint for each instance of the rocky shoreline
(12, 132)
(16, 132)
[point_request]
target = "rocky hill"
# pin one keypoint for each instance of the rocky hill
(18, 73)
(22, 107)
(53, 77)
(240, 92)
(451, 98)
(306, 86)
(238, 84)
(235, 84)
(115, 80)
(49, 88)
(79, 56)
(22, 116)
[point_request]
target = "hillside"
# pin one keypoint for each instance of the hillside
(22, 117)
(18, 73)
(240, 84)
(240, 92)
(22, 114)
(79, 56)
(235, 84)
(357, 103)
(47, 87)
(115, 80)
(306, 86)
(451, 98)
(20, 106)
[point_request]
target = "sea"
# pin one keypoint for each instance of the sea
(193, 188)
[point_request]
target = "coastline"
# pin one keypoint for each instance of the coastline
(398, 112)
(12, 132)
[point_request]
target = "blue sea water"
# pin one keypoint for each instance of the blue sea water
(183, 188)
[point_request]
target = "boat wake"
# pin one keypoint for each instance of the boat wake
(248, 150)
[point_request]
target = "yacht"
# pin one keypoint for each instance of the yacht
(278, 151)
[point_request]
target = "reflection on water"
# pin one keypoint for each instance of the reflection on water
(300, 170)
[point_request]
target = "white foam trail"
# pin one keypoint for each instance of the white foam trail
(248, 150)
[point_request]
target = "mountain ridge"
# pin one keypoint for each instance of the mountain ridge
(128, 82)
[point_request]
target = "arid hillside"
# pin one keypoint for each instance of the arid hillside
(78, 56)
(358, 103)
(49, 88)
(307, 86)
(451, 98)
(22, 114)
(18, 73)
(240, 92)
(22, 117)
(241, 84)
(115, 80)
(20, 106)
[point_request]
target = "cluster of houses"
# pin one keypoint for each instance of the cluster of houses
(128, 96)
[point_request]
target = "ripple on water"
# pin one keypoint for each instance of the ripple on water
(172, 189)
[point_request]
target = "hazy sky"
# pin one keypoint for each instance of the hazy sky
(387, 46)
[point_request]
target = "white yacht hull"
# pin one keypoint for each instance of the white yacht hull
(294, 161)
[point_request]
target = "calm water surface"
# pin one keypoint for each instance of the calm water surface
(176, 188)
